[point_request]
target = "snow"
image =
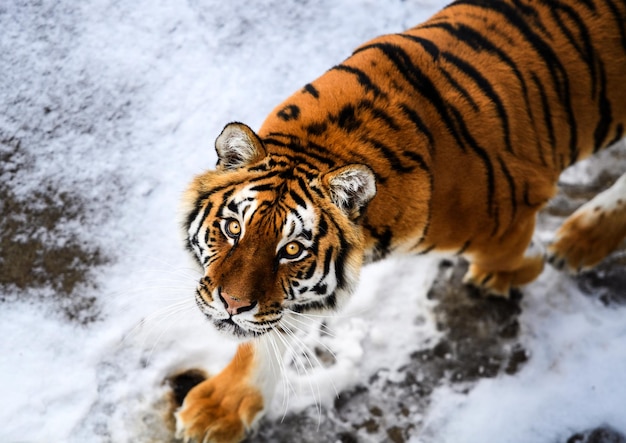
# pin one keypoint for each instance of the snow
(572, 381)
(117, 104)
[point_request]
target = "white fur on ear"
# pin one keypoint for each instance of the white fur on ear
(351, 188)
(238, 146)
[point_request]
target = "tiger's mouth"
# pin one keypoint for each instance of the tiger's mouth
(228, 326)
(226, 323)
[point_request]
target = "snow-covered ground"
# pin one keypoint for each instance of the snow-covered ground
(108, 108)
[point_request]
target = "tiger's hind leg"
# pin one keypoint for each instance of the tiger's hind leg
(592, 232)
(502, 265)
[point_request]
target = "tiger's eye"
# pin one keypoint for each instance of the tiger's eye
(292, 249)
(233, 228)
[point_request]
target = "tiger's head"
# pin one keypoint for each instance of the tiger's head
(273, 234)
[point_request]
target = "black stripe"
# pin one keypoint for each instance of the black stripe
(620, 19)
(207, 237)
(426, 44)
(225, 198)
(545, 104)
(531, 15)
(487, 89)
(511, 182)
(310, 271)
(583, 45)
(433, 50)
(258, 168)
(342, 253)
(546, 52)
(309, 88)
(346, 119)
(420, 125)
(619, 134)
(320, 288)
(308, 306)
(484, 156)
(383, 237)
(289, 112)
(269, 174)
(319, 148)
(606, 117)
(331, 301)
(233, 207)
(263, 187)
(193, 240)
(451, 117)
(427, 250)
(581, 42)
(297, 148)
(304, 187)
(478, 43)
(340, 263)
(288, 289)
(199, 206)
(307, 233)
(327, 261)
(362, 78)
(296, 198)
(495, 215)
(316, 128)
(417, 159)
(378, 113)
(456, 85)
(589, 4)
(291, 230)
(388, 154)
(420, 82)
(463, 248)
(322, 228)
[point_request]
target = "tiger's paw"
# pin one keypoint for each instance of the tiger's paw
(592, 232)
(224, 408)
(501, 283)
(218, 411)
(490, 283)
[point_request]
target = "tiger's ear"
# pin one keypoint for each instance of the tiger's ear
(351, 188)
(238, 146)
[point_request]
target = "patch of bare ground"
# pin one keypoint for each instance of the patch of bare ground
(40, 257)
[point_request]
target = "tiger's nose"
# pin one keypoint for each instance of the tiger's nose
(236, 305)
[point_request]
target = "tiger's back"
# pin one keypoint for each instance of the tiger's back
(472, 115)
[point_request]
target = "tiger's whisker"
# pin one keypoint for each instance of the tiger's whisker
(319, 363)
(317, 338)
(317, 397)
(287, 385)
(327, 330)
(155, 315)
(174, 315)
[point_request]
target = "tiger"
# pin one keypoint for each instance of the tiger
(447, 137)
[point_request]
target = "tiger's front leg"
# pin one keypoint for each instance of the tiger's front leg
(499, 282)
(226, 407)
(507, 262)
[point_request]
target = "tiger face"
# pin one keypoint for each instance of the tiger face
(273, 235)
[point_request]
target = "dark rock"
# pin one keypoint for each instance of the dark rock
(598, 435)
